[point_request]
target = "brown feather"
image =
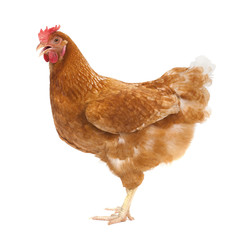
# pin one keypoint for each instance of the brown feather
(130, 109)
(131, 127)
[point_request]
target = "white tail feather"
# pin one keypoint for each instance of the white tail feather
(205, 63)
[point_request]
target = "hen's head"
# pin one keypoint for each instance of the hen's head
(53, 44)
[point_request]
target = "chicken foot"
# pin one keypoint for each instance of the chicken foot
(121, 213)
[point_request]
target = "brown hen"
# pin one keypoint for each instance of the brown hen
(133, 127)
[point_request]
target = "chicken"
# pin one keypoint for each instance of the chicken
(132, 127)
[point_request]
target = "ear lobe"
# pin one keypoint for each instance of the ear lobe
(63, 51)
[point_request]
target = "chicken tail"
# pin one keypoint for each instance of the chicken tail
(190, 84)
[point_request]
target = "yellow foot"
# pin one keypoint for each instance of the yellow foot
(118, 216)
(120, 213)
(118, 210)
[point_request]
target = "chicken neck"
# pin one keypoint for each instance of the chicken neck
(73, 73)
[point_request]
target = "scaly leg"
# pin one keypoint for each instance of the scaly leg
(121, 213)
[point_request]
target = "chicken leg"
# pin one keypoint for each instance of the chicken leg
(121, 213)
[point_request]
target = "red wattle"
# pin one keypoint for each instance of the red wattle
(53, 57)
(46, 57)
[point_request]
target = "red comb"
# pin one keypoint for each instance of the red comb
(44, 34)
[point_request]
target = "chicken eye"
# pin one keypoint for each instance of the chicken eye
(56, 40)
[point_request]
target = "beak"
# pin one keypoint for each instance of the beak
(40, 45)
(44, 50)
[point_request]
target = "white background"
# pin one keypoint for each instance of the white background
(48, 190)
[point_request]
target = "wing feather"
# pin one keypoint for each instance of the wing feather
(131, 109)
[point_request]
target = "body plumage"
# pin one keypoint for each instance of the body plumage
(132, 127)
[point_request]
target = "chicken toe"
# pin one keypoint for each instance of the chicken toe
(118, 210)
(120, 213)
